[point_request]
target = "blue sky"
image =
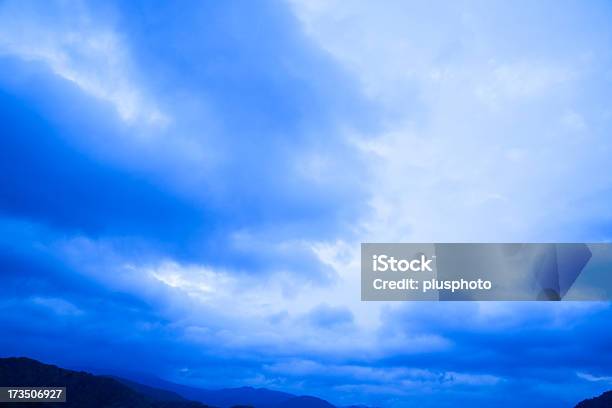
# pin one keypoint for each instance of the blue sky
(186, 185)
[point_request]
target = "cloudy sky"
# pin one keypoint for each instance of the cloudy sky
(185, 185)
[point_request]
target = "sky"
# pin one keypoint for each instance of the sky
(185, 185)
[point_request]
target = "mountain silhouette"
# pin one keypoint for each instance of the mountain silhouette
(234, 397)
(82, 389)
(228, 397)
(305, 402)
(102, 391)
(155, 394)
(603, 401)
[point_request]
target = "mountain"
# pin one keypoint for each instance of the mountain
(229, 397)
(241, 396)
(156, 394)
(305, 402)
(104, 391)
(82, 389)
(603, 401)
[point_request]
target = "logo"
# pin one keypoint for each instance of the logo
(383, 263)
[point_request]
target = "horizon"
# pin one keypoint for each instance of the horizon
(185, 188)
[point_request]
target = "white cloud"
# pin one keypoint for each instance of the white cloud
(475, 143)
(594, 378)
(398, 378)
(518, 81)
(215, 307)
(478, 131)
(78, 48)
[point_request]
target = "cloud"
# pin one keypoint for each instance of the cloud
(462, 97)
(593, 378)
(63, 188)
(69, 40)
(325, 316)
(520, 81)
(57, 305)
(398, 377)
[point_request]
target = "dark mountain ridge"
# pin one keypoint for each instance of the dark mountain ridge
(603, 401)
(104, 391)
(82, 389)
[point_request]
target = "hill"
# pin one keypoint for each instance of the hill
(305, 402)
(82, 389)
(603, 401)
(103, 391)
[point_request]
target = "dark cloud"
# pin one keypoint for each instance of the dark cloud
(48, 181)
